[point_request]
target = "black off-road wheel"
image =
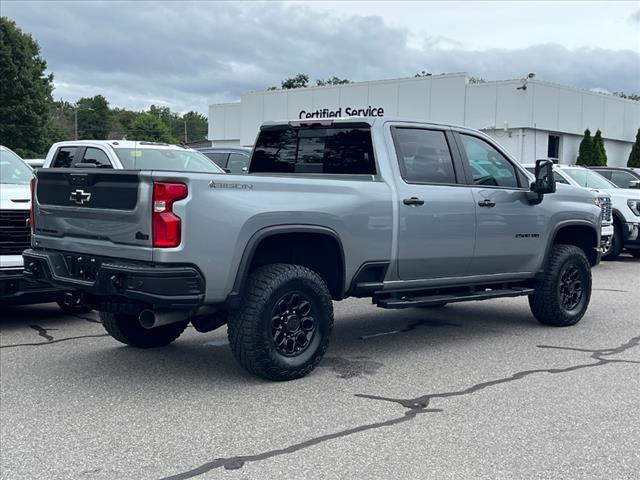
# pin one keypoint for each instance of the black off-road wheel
(562, 297)
(615, 249)
(282, 329)
(127, 329)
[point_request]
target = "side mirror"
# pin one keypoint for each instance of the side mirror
(545, 182)
(634, 184)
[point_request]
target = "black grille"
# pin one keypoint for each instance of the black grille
(15, 235)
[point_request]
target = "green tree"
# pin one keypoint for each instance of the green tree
(634, 156)
(197, 126)
(94, 118)
(600, 152)
(25, 96)
(332, 81)
(423, 73)
(301, 80)
(586, 152)
(150, 128)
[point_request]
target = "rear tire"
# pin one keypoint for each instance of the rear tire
(127, 329)
(562, 296)
(282, 328)
(615, 249)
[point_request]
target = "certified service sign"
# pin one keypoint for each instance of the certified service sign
(348, 112)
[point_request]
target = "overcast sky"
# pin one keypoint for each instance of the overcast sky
(187, 55)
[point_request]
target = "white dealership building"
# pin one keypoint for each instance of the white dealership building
(543, 120)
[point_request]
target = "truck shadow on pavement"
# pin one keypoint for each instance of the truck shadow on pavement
(354, 351)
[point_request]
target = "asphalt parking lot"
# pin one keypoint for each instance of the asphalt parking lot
(476, 390)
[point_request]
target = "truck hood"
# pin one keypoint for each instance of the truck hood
(14, 197)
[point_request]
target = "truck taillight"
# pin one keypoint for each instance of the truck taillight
(167, 226)
(32, 218)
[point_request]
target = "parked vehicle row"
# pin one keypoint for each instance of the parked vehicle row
(411, 214)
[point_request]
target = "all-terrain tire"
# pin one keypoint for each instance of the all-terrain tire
(552, 302)
(127, 329)
(254, 329)
(615, 249)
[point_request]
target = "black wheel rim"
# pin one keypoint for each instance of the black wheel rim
(571, 287)
(293, 324)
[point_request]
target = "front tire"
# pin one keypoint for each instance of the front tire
(615, 249)
(562, 296)
(282, 329)
(128, 330)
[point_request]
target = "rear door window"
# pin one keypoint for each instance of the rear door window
(340, 149)
(65, 157)
(622, 179)
(238, 163)
(219, 158)
(424, 156)
(96, 157)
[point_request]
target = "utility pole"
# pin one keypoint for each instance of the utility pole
(185, 131)
(75, 112)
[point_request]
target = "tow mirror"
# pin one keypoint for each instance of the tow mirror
(545, 182)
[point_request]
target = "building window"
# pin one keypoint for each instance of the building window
(553, 147)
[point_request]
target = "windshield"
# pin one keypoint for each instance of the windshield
(13, 170)
(175, 160)
(588, 178)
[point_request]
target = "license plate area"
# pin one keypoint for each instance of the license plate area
(82, 267)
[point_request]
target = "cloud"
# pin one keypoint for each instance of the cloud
(187, 55)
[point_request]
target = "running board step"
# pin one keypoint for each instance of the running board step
(407, 301)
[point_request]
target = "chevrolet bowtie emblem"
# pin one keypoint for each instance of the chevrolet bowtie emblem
(80, 197)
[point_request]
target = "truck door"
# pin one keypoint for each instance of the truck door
(437, 217)
(510, 229)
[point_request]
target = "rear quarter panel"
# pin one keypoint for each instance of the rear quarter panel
(220, 218)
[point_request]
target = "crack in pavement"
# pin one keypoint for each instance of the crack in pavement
(44, 333)
(414, 406)
(610, 290)
(413, 326)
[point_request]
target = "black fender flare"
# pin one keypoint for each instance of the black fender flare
(559, 226)
(233, 298)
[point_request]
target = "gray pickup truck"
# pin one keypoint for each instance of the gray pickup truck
(411, 214)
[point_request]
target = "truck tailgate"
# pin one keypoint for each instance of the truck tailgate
(90, 210)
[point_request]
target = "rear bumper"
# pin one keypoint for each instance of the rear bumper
(161, 285)
(15, 289)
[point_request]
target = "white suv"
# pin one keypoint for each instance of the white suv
(607, 233)
(625, 204)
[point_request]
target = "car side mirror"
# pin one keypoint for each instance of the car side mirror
(634, 184)
(545, 182)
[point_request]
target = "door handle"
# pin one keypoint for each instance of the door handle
(413, 201)
(487, 203)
